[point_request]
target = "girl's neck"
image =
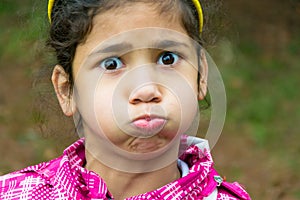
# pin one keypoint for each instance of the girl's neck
(124, 184)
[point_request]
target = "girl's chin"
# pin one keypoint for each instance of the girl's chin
(148, 145)
(145, 147)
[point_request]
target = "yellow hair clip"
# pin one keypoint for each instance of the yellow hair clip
(50, 6)
(200, 13)
(196, 3)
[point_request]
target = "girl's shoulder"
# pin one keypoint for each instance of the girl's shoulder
(28, 182)
(232, 190)
(203, 177)
(55, 179)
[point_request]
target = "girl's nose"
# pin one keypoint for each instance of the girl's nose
(148, 93)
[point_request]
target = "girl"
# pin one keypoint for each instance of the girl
(130, 73)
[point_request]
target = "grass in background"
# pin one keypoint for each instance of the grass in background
(263, 96)
(22, 55)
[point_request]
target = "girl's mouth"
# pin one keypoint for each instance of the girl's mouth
(149, 125)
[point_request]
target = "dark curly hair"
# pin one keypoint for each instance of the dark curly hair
(72, 22)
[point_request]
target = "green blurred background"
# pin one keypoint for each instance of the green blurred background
(258, 56)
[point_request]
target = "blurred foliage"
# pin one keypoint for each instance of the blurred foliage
(258, 56)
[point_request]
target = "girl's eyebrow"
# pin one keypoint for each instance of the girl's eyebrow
(163, 44)
(126, 47)
(119, 47)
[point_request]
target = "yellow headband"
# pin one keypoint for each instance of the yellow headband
(200, 13)
(50, 6)
(196, 3)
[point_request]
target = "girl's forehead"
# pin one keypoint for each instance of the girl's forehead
(107, 25)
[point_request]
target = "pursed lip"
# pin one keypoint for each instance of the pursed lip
(148, 117)
(149, 123)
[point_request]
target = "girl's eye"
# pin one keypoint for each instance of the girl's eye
(168, 58)
(111, 63)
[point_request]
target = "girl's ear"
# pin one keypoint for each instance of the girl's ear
(202, 85)
(61, 84)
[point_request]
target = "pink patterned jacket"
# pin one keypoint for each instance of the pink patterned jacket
(64, 178)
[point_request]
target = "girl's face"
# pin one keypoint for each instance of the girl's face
(135, 80)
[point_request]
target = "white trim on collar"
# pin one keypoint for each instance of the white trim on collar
(184, 168)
